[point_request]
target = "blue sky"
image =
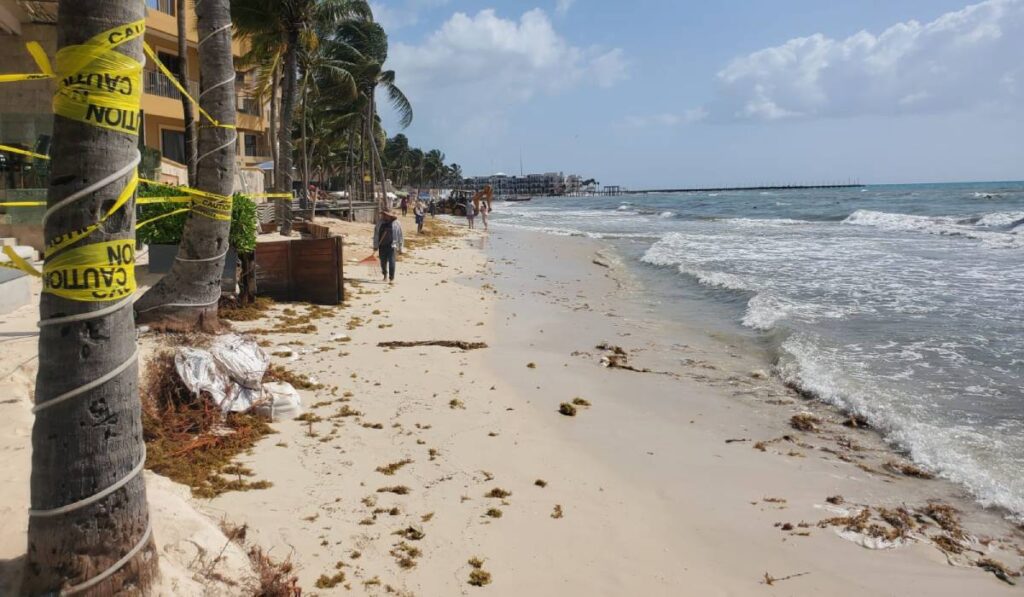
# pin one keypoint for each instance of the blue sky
(657, 93)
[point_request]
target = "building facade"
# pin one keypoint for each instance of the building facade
(26, 118)
(533, 185)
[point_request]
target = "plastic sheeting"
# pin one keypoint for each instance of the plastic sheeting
(231, 372)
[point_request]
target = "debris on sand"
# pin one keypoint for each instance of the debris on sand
(577, 401)
(406, 555)
(494, 513)
(541, 483)
(908, 470)
(329, 582)
(998, 569)
(391, 469)
(771, 580)
(412, 533)
(567, 409)
(395, 489)
(804, 422)
(856, 422)
(478, 577)
(460, 344)
(835, 500)
(498, 493)
(557, 512)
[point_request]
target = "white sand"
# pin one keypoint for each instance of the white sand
(654, 501)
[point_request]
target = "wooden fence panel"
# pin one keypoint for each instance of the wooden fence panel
(301, 270)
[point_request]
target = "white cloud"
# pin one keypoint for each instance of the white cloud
(562, 7)
(484, 64)
(667, 119)
(964, 59)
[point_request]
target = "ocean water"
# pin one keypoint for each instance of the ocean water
(903, 304)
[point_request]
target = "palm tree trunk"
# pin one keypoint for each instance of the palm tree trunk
(92, 440)
(351, 185)
(362, 157)
(304, 196)
(376, 153)
(187, 297)
(186, 104)
(275, 85)
(288, 92)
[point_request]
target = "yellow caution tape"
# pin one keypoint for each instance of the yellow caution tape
(162, 216)
(92, 273)
(30, 154)
(17, 262)
(205, 203)
(73, 236)
(154, 200)
(98, 85)
(39, 56)
(23, 204)
(181, 88)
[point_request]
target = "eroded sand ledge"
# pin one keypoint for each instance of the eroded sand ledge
(652, 498)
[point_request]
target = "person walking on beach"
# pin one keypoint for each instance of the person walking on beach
(420, 214)
(483, 213)
(470, 213)
(433, 209)
(405, 206)
(388, 240)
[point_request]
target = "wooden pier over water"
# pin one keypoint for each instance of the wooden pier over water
(618, 190)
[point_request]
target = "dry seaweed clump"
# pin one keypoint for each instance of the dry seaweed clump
(394, 467)
(406, 555)
(908, 470)
(580, 401)
(567, 409)
(188, 438)
(478, 577)
(299, 381)
(804, 422)
(276, 579)
(557, 512)
(947, 517)
(998, 569)
(494, 513)
(395, 489)
(329, 582)
(498, 493)
(231, 310)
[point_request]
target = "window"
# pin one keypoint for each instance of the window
(172, 145)
(250, 146)
(166, 6)
(172, 62)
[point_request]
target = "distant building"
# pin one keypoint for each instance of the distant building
(534, 185)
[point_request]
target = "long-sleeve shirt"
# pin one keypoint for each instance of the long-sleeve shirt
(397, 240)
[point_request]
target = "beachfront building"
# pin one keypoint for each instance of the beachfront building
(26, 118)
(529, 185)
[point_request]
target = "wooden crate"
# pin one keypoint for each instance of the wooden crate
(301, 270)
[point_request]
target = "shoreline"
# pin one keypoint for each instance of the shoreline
(659, 485)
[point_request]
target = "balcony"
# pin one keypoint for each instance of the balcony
(157, 84)
(249, 105)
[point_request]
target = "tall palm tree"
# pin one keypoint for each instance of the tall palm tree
(189, 115)
(87, 434)
(290, 21)
(187, 297)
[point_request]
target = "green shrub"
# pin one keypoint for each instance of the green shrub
(167, 231)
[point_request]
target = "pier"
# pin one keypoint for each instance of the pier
(612, 190)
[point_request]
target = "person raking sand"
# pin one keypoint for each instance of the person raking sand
(388, 241)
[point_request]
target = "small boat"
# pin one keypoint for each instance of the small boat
(518, 198)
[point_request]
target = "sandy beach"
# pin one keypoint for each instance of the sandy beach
(682, 472)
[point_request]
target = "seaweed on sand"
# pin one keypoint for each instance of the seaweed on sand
(804, 422)
(188, 438)
(567, 409)
(299, 381)
(460, 344)
(394, 467)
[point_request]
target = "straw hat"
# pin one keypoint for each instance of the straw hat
(386, 213)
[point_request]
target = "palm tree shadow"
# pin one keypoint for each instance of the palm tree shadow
(10, 575)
